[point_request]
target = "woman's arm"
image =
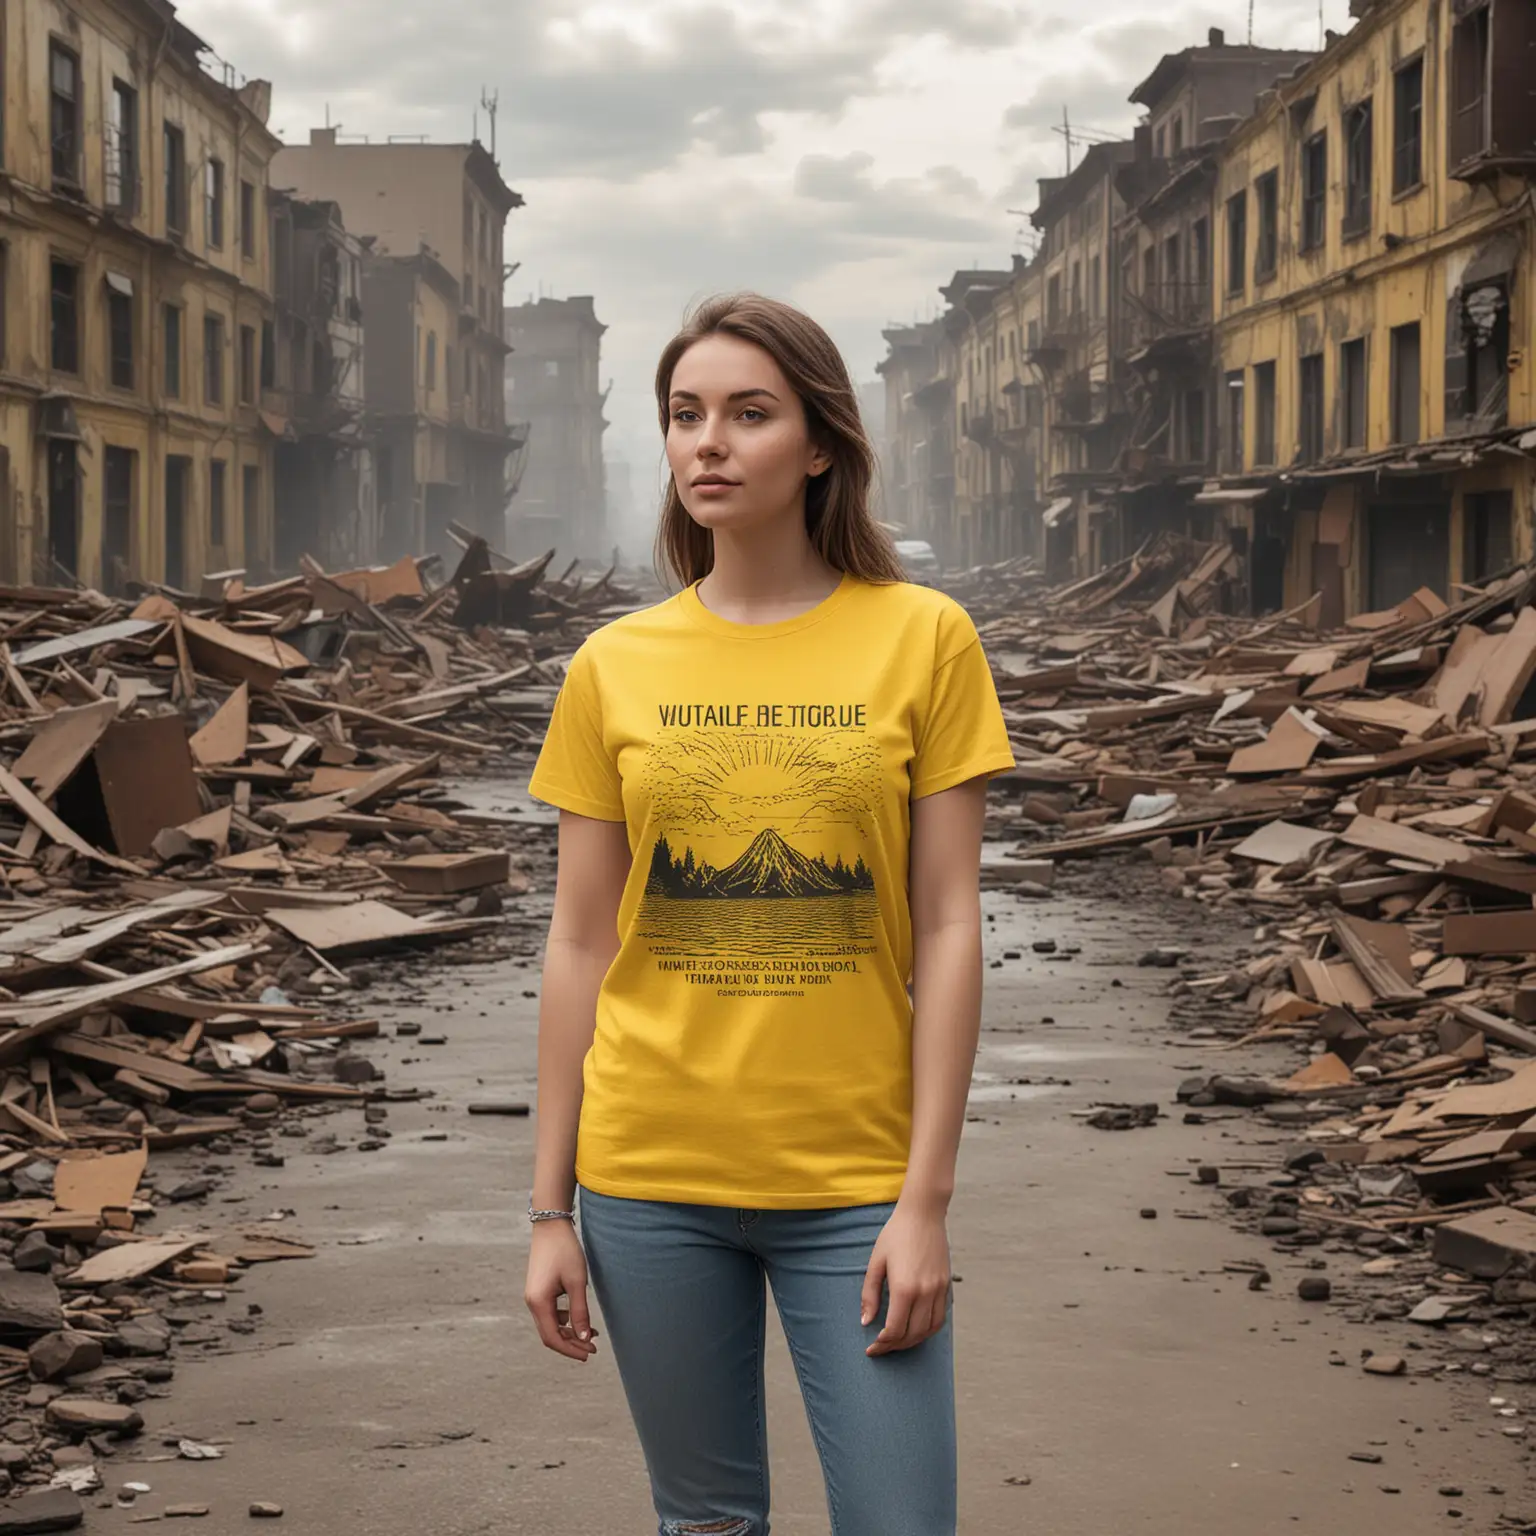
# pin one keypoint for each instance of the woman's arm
(594, 863)
(912, 1254)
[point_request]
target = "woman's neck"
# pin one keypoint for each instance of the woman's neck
(760, 580)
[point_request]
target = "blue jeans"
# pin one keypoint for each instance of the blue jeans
(681, 1290)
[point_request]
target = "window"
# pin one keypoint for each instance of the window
(1160, 148)
(1194, 426)
(268, 355)
(64, 317)
(216, 468)
(1234, 398)
(1077, 287)
(1408, 126)
(1352, 393)
(1237, 242)
(213, 193)
(122, 146)
(1314, 192)
(1470, 57)
(248, 220)
(1264, 413)
(247, 364)
(1487, 525)
(5, 252)
(250, 488)
(1176, 140)
(175, 181)
(1481, 321)
(1149, 273)
(117, 518)
(1405, 383)
(64, 112)
(1095, 280)
(1311, 415)
(1266, 256)
(171, 326)
(431, 359)
(120, 330)
(1358, 137)
(1171, 273)
(1200, 252)
(213, 360)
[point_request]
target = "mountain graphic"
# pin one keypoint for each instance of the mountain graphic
(770, 867)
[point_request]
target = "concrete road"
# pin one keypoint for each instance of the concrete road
(1112, 1376)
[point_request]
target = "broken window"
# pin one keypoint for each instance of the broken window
(1237, 242)
(1406, 381)
(64, 317)
(120, 330)
(214, 212)
(1264, 413)
(122, 146)
(247, 364)
(1266, 255)
(1358, 140)
(64, 112)
(1353, 393)
(248, 219)
(1408, 126)
(1470, 40)
(1310, 422)
(1194, 426)
(1487, 546)
(216, 502)
(1233, 394)
(175, 181)
(1485, 337)
(1314, 192)
(171, 342)
(213, 360)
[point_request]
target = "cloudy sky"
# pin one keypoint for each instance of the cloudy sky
(847, 155)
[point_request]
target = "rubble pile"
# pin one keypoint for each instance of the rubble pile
(1368, 795)
(211, 808)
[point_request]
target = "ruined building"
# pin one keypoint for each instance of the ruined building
(434, 216)
(1374, 314)
(553, 388)
(134, 286)
(313, 389)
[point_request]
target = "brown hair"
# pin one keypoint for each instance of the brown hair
(837, 513)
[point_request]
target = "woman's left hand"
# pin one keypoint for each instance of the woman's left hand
(911, 1258)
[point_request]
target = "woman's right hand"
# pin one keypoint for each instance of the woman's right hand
(557, 1266)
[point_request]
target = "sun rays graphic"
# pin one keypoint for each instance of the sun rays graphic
(740, 783)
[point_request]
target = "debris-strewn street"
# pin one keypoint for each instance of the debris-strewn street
(1246, 1199)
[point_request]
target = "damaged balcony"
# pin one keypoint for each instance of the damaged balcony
(1166, 323)
(1492, 113)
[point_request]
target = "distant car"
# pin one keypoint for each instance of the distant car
(919, 561)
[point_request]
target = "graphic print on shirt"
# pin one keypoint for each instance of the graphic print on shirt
(758, 882)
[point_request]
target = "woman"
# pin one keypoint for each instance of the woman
(752, 776)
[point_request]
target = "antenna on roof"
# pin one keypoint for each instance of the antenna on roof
(1250, 23)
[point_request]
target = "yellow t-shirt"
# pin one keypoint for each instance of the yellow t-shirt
(753, 1039)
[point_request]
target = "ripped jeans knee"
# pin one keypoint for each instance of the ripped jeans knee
(734, 1525)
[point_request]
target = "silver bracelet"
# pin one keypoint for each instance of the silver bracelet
(537, 1216)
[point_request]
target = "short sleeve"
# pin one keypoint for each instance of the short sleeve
(575, 770)
(962, 734)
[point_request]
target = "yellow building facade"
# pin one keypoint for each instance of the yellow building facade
(135, 295)
(1371, 225)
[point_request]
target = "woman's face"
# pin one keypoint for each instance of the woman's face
(737, 440)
